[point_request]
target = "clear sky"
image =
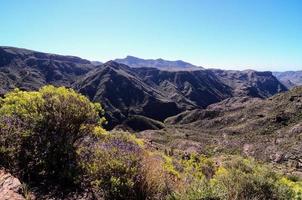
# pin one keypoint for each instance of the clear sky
(230, 34)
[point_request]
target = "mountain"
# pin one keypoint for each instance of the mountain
(159, 94)
(123, 93)
(290, 78)
(149, 92)
(158, 63)
(126, 91)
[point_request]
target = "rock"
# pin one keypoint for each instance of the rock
(278, 157)
(248, 149)
(10, 187)
(296, 129)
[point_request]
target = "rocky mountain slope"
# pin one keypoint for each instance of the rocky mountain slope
(290, 78)
(125, 91)
(267, 129)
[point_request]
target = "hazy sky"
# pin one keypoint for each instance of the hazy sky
(230, 34)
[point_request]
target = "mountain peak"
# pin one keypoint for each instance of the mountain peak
(159, 63)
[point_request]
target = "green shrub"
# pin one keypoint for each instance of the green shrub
(113, 167)
(196, 190)
(241, 179)
(40, 131)
(119, 167)
(235, 179)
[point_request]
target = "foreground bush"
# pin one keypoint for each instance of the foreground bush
(118, 167)
(112, 167)
(40, 131)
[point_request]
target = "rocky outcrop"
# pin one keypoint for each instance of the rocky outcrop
(10, 187)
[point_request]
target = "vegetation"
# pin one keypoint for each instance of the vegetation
(40, 132)
(54, 136)
(234, 178)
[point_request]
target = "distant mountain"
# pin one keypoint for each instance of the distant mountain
(124, 91)
(96, 63)
(158, 63)
(290, 78)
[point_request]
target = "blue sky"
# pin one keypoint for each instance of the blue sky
(230, 34)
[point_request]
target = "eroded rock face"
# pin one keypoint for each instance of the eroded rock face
(10, 187)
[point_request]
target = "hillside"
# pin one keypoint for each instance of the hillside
(267, 129)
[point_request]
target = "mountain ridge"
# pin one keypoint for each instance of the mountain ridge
(124, 90)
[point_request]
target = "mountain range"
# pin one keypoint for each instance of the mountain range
(155, 89)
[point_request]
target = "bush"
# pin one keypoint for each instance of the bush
(40, 131)
(245, 179)
(118, 166)
(112, 167)
(158, 180)
(236, 179)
